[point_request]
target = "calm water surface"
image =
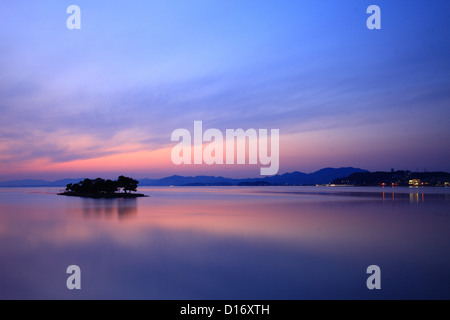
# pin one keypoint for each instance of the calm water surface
(227, 243)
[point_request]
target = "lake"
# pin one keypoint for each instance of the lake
(227, 243)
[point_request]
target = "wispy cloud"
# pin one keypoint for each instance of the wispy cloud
(137, 71)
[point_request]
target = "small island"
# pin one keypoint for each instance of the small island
(101, 188)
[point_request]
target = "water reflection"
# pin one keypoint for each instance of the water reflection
(230, 243)
(416, 197)
(394, 195)
(109, 208)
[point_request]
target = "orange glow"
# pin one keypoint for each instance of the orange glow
(140, 160)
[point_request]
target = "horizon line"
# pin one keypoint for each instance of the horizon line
(221, 176)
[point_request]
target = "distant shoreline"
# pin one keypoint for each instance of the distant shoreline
(327, 176)
(104, 195)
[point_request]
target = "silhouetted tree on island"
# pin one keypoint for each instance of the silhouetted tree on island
(110, 186)
(101, 186)
(127, 184)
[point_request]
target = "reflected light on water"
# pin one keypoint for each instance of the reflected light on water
(109, 208)
(321, 220)
(226, 243)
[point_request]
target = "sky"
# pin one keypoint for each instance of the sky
(105, 99)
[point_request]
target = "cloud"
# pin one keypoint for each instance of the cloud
(117, 87)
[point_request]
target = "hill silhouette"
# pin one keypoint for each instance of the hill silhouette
(322, 176)
(395, 178)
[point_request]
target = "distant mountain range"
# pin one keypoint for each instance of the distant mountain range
(323, 176)
(37, 183)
